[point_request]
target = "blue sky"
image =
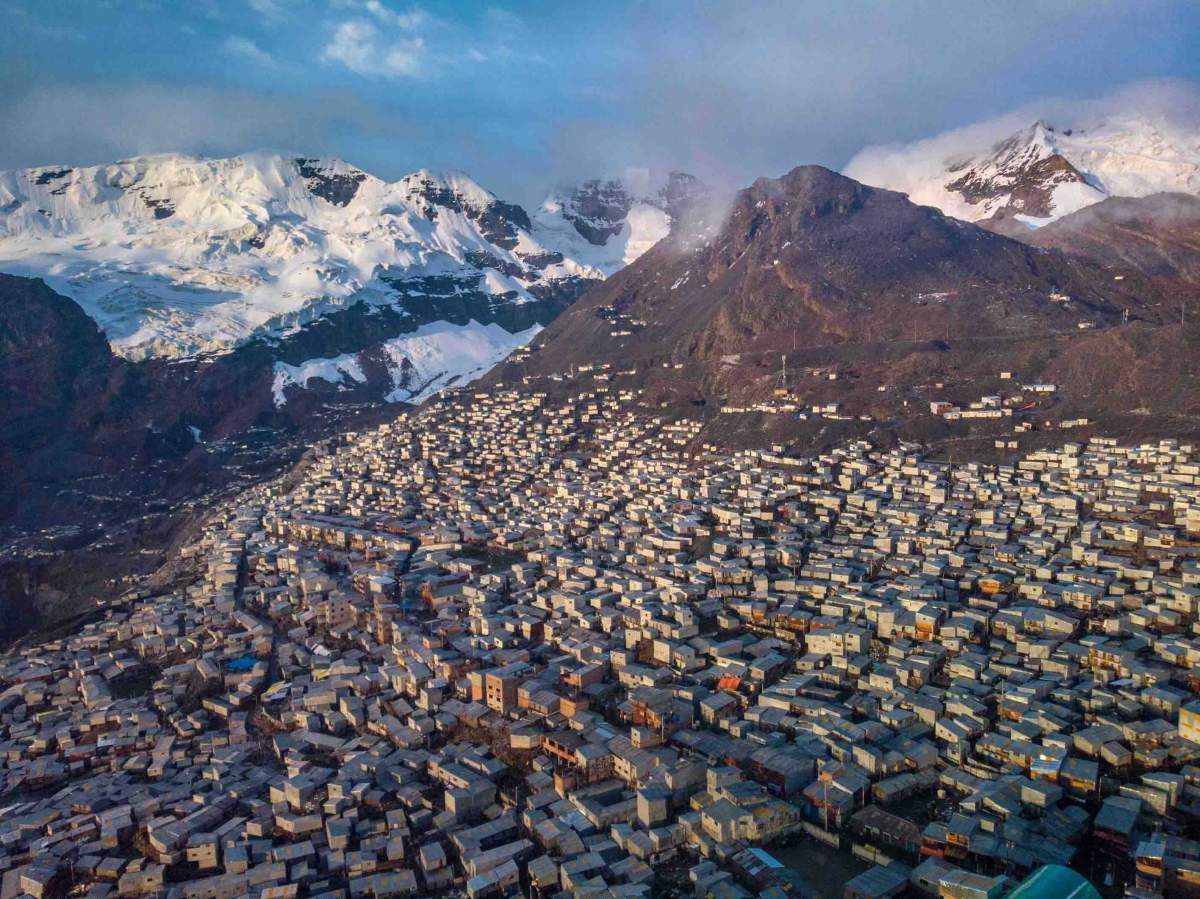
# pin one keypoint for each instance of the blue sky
(527, 94)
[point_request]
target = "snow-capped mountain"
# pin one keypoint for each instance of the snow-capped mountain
(261, 304)
(173, 255)
(1042, 171)
(609, 223)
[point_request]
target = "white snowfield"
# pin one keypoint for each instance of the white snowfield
(174, 255)
(645, 225)
(420, 364)
(1118, 153)
(440, 355)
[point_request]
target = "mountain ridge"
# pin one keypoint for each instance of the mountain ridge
(176, 255)
(880, 306)
(1157, 235)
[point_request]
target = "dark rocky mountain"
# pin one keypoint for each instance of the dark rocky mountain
(900, 303)
(1158, 235)
(104, 457)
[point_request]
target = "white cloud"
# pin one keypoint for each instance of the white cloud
(408, 21)
(86, 125)
(380, 42)
(245, 49)
(268, 9)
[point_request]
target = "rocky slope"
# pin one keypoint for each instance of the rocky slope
(1038, 173)
(104, 457)
(900, 304)
(1158, 235)
(73, 411)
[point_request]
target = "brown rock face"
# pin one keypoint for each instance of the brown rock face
(857, 281)
(1158, 235)
(1028, 185)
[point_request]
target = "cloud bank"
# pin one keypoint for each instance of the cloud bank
(379, 42)
(545, 92)
(73, 124)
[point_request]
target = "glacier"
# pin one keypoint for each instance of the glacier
(176, 256)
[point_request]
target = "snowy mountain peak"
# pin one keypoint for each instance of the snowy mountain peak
(498, 221)
(430, 183)
(1024, 175)
(598, 207)
(175, 255)
(1026, 147)
(332, 180)
(1040, 171)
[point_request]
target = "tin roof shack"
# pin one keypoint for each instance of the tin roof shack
(934, 877)
(1168, 865)
(879, 829)
(878, 882)
(1115, 826)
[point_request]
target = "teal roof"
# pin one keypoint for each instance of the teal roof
(1054, 882)
(765, 857)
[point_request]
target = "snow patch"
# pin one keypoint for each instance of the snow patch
(335, 371)
(441, 354)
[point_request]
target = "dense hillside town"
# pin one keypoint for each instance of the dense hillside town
(496, 450)
(514, 645)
